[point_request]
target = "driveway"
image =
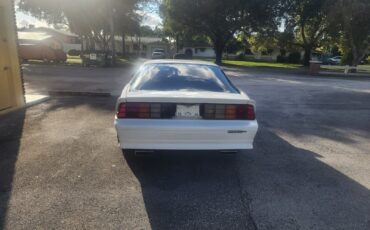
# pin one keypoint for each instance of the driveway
(61, 168)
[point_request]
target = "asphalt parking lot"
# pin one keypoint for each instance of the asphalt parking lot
(60, 167)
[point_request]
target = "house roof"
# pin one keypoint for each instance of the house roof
(50, 30)
(143, 40)
(35, 36)
(197, 44)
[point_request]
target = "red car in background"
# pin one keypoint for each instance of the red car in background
(41, 52)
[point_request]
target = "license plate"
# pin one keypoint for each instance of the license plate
(187, 111)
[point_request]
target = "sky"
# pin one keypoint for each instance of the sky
(23, 20)
(150, 18)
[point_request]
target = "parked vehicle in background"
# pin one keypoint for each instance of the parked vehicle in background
(335, 60)
(181, 56)
(184, 105)
(158, 53)
(41, 52)
(96, 58)
(365, 61)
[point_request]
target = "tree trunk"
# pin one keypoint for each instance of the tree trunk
(218, 56)
(219, 46)
(358, 54)
(307, 55)
(177, 43)
(123, 45)
(82, 45)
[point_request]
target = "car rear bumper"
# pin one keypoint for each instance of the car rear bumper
(185, 134)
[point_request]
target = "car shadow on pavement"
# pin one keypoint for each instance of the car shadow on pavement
(275, 186)
(11, 128)
(190, 189)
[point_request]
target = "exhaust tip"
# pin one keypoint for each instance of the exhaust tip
(229, 152)
(143, 152)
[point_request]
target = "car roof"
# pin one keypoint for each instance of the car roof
(179, 61)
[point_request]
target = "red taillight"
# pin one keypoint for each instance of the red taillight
(228, 112)
(121, 111)
(251, 115)
(134, 110)
(139, 110)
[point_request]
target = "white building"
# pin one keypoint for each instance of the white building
(142, 46)
(136, 46)
(198, 50)
(57, 39)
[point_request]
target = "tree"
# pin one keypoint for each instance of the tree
(147, 31)
(260, 43)
(171, 27)
(127, 20)
(309, 22)
(94, 20)
(217, 19)
(356, 29)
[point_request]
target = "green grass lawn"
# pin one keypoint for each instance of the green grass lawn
(74, 60)
(123, 61)
(257, 64)
(339, 68)
(261, 64)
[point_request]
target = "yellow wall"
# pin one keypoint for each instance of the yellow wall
(11, 85)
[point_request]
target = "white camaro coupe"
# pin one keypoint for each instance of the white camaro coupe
(184, 105)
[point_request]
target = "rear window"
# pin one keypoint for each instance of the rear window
(183, 77)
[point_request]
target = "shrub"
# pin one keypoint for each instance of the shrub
(294, 58)
(240, 57)
(180, 56)
(189, 53)
(282, 59)
(74, 52)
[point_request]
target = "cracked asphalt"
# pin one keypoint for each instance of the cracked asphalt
(60, 166)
